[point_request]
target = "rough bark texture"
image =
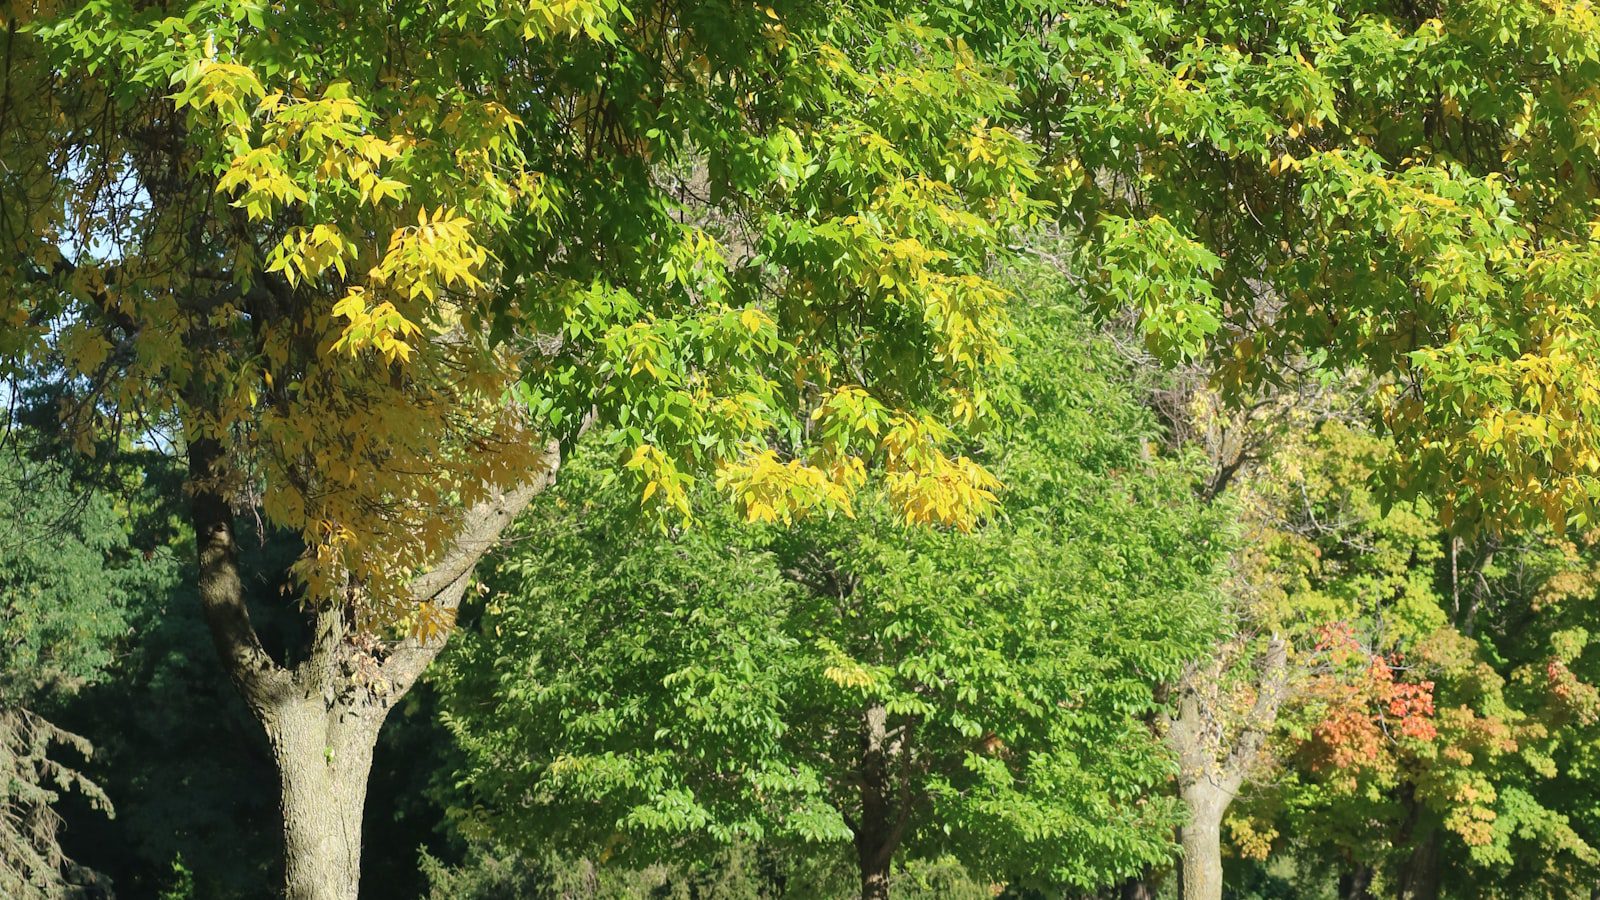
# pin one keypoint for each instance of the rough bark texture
(258, 678)
(1200, 877)
(883, 819)
(1212, 768)
(322, 715)
(323, 758)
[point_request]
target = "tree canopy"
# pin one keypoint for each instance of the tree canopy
(369, 274)
(911, 692)
(370, 267)
(334, 237)
(1402, 188)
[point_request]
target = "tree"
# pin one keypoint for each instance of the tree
(1315, 186)
(165, 695)
(367, 267)
(847, 682)
(1228, 701)
(1424, 750)
(67, 576)
(1398, 187)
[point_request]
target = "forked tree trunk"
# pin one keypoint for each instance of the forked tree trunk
(322, 716)
(1210, 771)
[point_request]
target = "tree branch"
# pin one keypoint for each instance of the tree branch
(61, 269)
(315, 674)
(1263, 713)
(258, 677)
(446, 583)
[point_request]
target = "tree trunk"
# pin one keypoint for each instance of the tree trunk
(1419, 877)
(1356, 883)
(323, 714)
(874, 879)
(883, 821)
(323, 760)
(1137, 889)
(1210, 773)
(1201, 873)
(873, 853)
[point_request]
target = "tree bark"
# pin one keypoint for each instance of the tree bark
(873, 855)
(322, 716)
(1419, 877)
(1200, 877)
(1356, 883)
(258, 677)
(323, 757)
(883, 820)
(874, 879)
(1210, 774)
(1137, 889)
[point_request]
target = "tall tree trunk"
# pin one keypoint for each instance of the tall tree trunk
(323, 758)
(883, 820)
(1201, 872)
(322, 715)
(1210, 773)
(873, 851)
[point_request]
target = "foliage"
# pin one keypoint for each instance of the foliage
(374, 258)
(165, 696)
(503, 875)
(67, 578)
(740, 872)
(1410, 722)
(728, 683)
(182, 882)
(371, 269)
(334, 239)
(67, 574)
(32, 863)
(1406, 188)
